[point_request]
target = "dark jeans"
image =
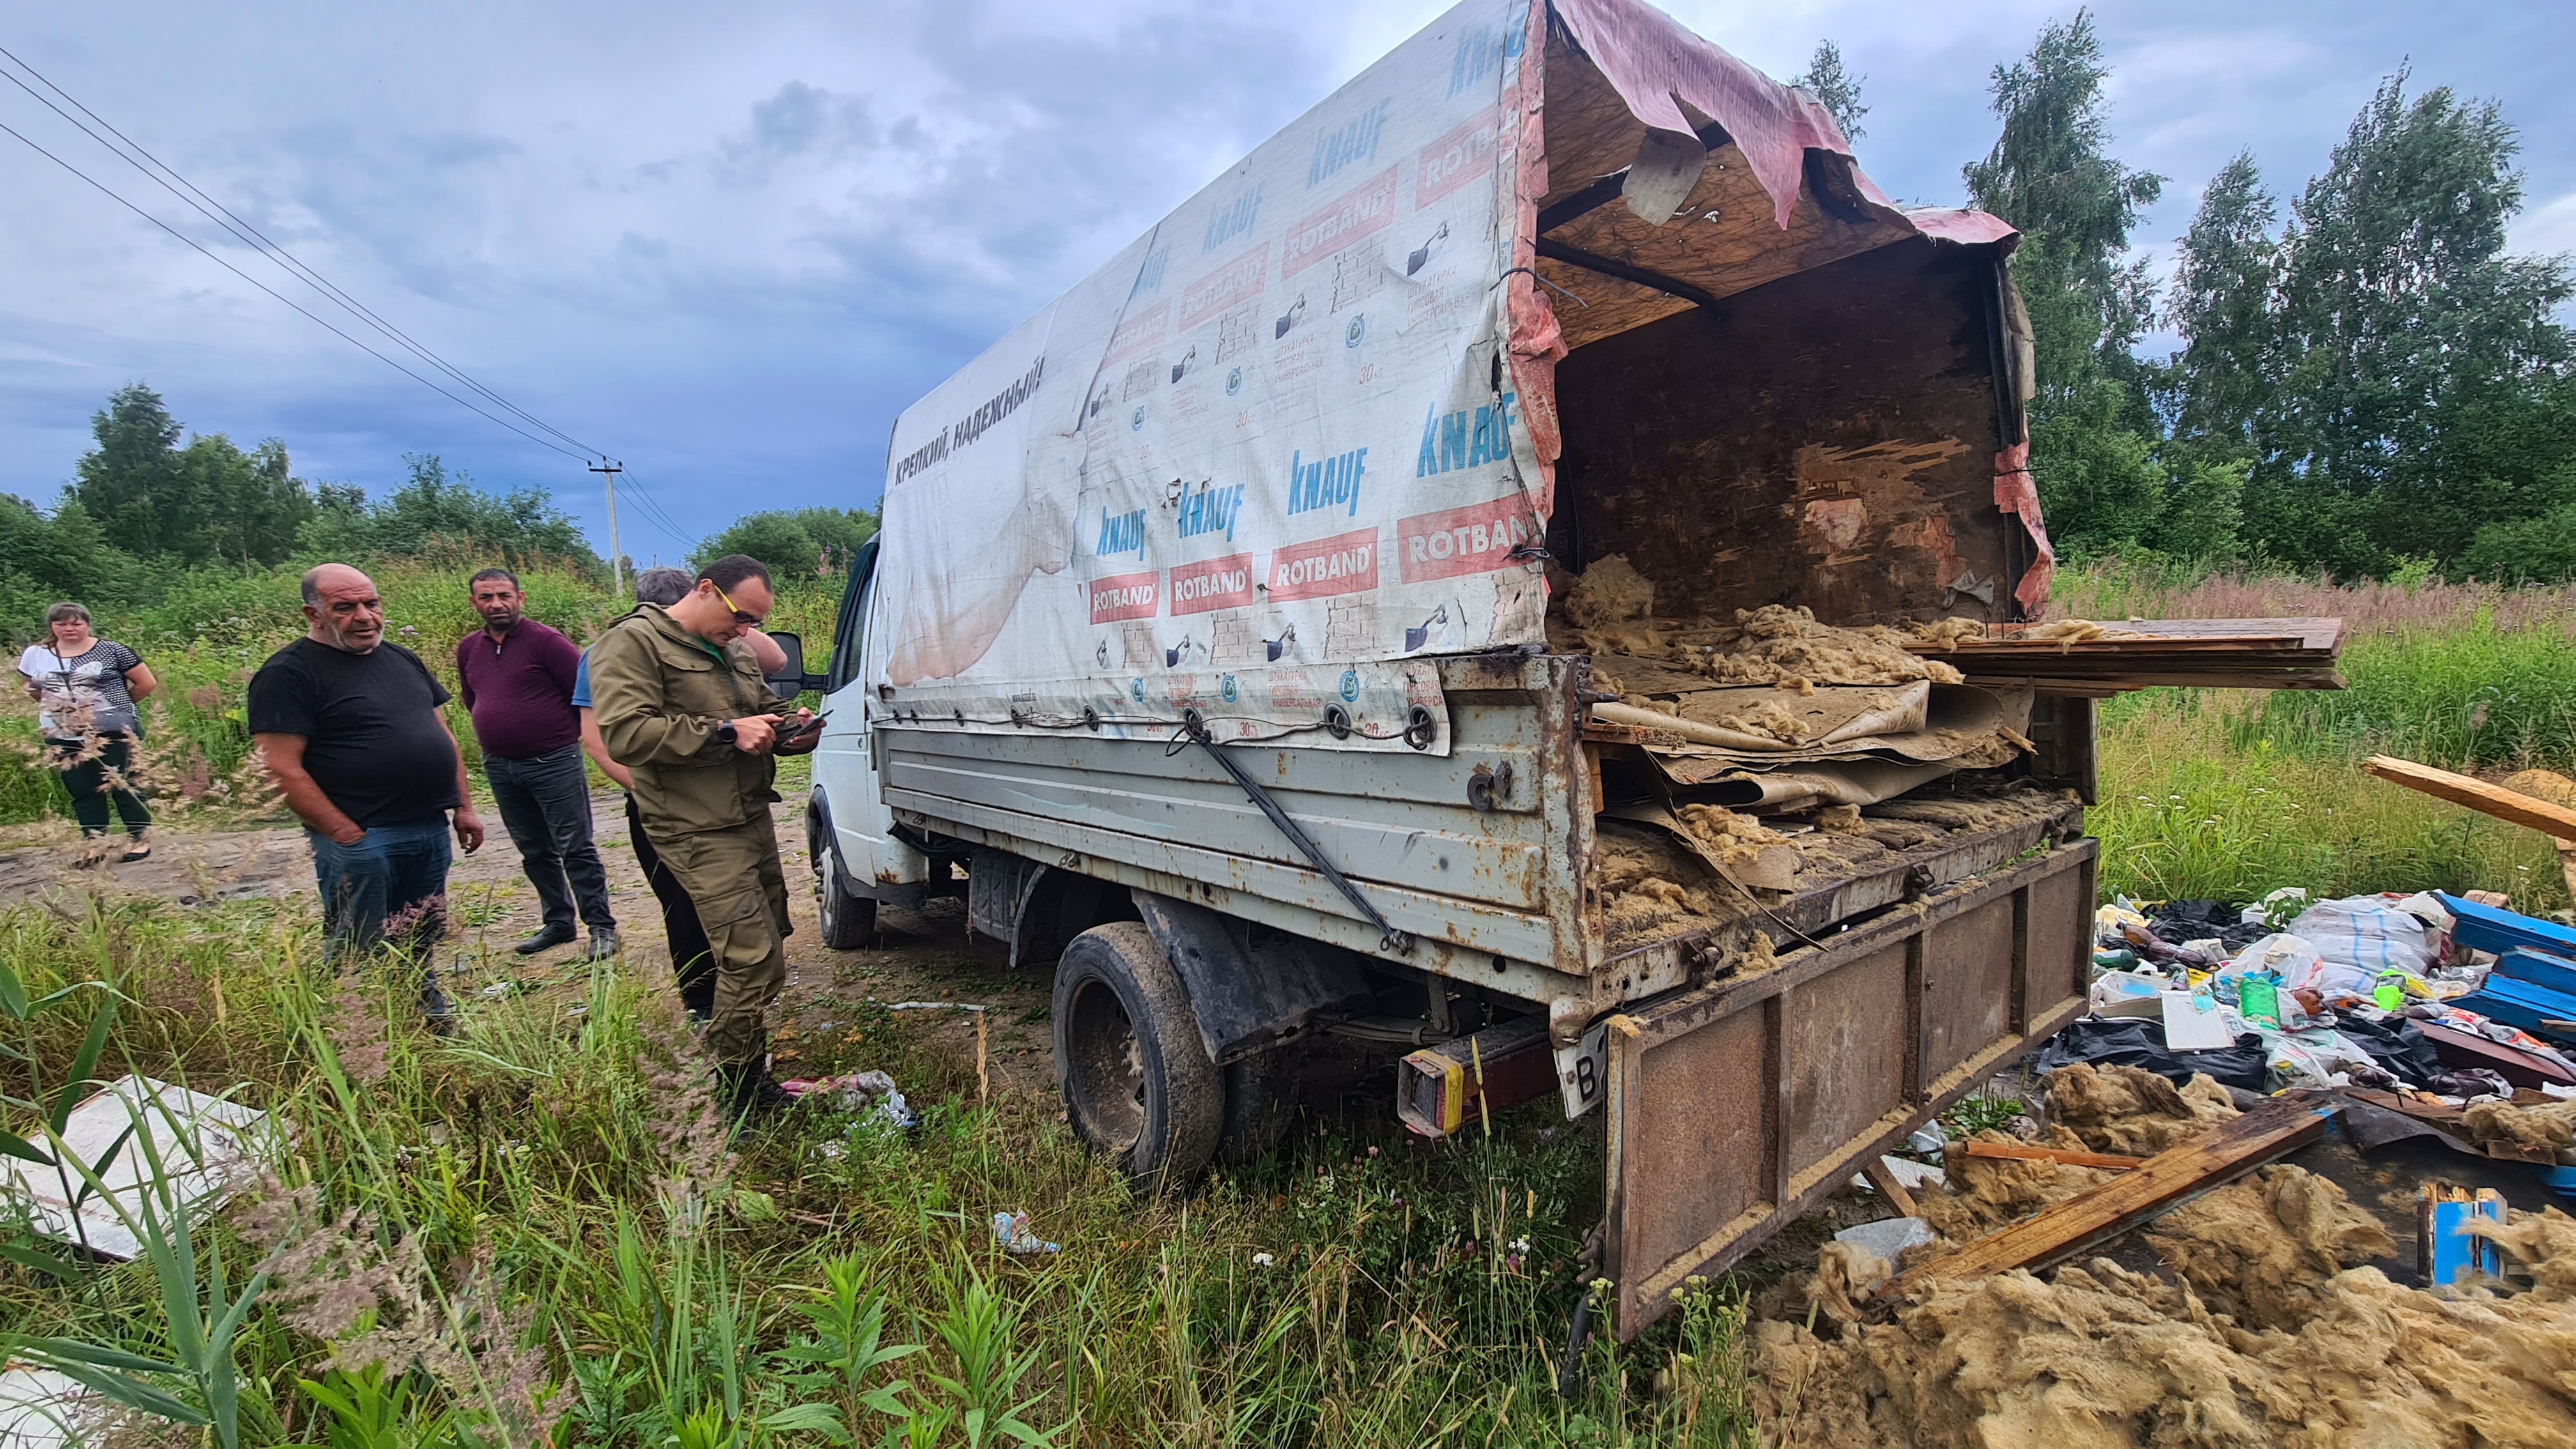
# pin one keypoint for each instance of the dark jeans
(390, 885)
(87, 780)
(545, 804)
(692, 960)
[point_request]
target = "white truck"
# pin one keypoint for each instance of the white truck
(1206, 650)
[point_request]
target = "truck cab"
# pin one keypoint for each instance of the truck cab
(857, 857)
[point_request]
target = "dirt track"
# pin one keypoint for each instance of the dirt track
(918, 956)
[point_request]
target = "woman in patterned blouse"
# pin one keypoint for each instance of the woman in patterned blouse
(86, 687)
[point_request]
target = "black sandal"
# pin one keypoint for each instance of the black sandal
(141, 851)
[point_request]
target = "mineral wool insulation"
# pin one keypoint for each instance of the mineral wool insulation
(2267, 1335)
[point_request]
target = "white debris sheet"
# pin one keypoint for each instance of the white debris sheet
(41, 1409)
(207, 1148)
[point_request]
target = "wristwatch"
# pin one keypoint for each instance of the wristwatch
(725, 732)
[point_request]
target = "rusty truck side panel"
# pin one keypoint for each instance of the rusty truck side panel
(1480, 853)
(1736, 1107)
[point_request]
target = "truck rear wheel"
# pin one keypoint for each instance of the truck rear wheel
(1138, 1085)
(848, 920)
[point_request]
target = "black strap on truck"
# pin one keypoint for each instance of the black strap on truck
(1389, 939)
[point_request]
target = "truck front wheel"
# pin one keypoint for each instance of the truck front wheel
(848, 920)
(1138, 1085)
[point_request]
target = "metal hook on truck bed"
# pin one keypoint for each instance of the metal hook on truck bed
(1390, 939)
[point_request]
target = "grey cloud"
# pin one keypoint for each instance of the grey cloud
(802, 120)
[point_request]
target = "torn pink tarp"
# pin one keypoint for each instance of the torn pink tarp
(1653, 63)
(2017, 493)
(1957, 224)
(1657, 66)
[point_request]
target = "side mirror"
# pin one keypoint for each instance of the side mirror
(791, 680)
(788, 680)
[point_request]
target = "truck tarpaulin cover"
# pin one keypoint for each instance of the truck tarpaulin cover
(1267, 460)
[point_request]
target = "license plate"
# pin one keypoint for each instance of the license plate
(1583, 1071)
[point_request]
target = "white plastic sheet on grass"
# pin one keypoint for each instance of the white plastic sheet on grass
(206, 1148)
(41, 1409)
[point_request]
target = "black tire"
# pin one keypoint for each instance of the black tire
(1260, 1103)
(1138, 1085)
(849, 921)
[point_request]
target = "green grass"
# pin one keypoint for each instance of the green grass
(2470, 697)
(539, 1221)
(2203, 799)
(540, 1229)
(2227, 795)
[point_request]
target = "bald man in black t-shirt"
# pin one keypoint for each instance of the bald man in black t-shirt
(350, 731)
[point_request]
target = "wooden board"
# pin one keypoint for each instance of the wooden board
(2183, 653)
(2513, 806)
(2166, 1180)
(1884, 1183)
(2104, 688)
(2458, 1048)
(2024, 1152)
(2300, 634)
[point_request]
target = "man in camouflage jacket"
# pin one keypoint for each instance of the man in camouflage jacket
(680, 702)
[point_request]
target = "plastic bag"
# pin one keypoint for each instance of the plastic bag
(1013, 1232)
(2116, 986)
(2294, 959)
(2109, 918)
(2141, 1043)
(2361, 937)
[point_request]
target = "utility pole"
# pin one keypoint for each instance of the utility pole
(608, 469)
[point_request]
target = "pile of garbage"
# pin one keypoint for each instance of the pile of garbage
(2289, 992)
(2261, 1322)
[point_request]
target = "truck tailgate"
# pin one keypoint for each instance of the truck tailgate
(1736, 1107)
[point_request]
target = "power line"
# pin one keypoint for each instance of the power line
(653, 511)
(258, 241)
(250, 236)
(647, 503)
(104, 190)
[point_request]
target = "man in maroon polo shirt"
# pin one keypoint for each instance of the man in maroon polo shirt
(516, 677)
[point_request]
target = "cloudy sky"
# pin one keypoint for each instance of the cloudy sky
(727, 244)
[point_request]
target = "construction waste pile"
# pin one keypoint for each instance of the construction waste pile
(1751, 744)
(2136, 1263)
(1742, 751)
(2375, 991)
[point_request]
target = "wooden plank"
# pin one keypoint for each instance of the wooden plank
(1989, 673)
(2121, 646)
(2512, 806)
(2322, 634)
(2458, 1048)
(2166, 1180)
(1884, 1183)
(2025, 1152)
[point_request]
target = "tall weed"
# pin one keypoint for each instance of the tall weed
(2200, 801)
